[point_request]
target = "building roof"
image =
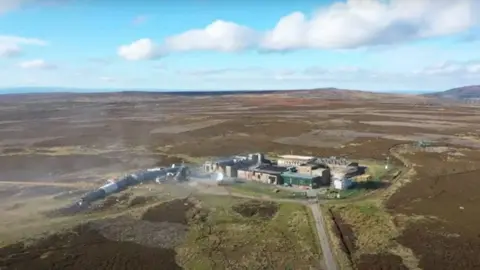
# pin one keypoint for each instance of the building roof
(319, 170)
(270, 168)
(295, 157)
(300, 175)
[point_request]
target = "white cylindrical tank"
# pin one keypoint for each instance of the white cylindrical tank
(109, 188)
(342, 184)
(218, 177)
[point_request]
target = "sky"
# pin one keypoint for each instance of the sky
(376, 45)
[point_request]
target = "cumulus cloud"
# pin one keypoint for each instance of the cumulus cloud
(450, 68)
(142, 49)
(10, 46)
(342, 25)
(37, 64)
(9, 50)
(218, 36)
(357, 23)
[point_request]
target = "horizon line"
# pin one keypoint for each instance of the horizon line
(55, 89)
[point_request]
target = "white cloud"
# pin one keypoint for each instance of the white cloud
(22, 40)
(452, 68)
(9, 50)
(218, 36)
(358, 23)
(473, 68)
(142, 49)
(37, 64)
(10, 46)
(341, 25)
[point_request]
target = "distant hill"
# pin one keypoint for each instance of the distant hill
(460, 93)
(321, 93)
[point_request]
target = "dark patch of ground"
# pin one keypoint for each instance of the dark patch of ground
(85, 248)
(140, 200)
(440, 250)
(345, 233)
(381, 262)
(173, 211)
(151, 234)
(445, 187)
(251, 208)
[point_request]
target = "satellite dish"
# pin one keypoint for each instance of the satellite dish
(218, 176)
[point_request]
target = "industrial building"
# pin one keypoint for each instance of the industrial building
(230, 166)
(269, 174)
(301, 180)
(293, 160)
(292, 170)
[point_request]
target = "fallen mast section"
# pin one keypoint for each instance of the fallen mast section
(178, 173)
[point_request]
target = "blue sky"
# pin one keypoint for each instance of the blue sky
(374, 45)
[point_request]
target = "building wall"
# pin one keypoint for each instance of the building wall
(326, 178)
(245, 174)
(290, 162)
(304, 169)
(230, 171)
(266, 178)
(298, 181)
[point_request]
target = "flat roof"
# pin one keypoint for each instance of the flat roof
(270, 168)
(296, 157)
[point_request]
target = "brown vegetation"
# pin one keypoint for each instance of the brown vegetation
(428, 220)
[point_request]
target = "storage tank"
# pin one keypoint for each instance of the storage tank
(342, 184)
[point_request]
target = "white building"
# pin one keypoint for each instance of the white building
(293, 160)
(342, 183)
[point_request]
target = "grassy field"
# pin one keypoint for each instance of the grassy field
(260, 189)
(366, 229)
(281, 237)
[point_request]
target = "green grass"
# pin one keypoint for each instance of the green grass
(372, 225)
(377, 170)
(227, 239)
(350, 193)
(260, 189)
